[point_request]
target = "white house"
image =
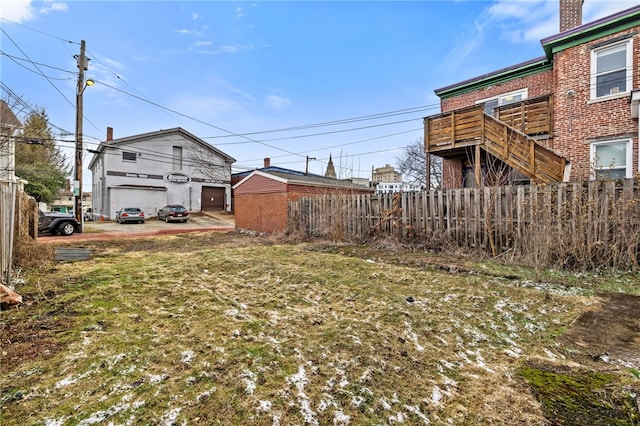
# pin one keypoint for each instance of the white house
(154, 169)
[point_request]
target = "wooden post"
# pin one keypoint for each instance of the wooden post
(478, 169)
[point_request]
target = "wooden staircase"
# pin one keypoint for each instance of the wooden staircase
(508, 137)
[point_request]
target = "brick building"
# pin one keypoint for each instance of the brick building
(261, 198)
(571, 114)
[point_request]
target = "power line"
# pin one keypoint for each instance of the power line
(37, 67)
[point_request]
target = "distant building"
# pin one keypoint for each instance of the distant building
(386, 174)
(157, 168)
(65, 201)
(392, 187)
(331, 171)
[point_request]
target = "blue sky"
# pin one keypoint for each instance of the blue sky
(284, 80)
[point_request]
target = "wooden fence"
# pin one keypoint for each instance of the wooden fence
(566, 219)
(18, 222)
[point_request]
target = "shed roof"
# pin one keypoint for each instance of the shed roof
(301, 179)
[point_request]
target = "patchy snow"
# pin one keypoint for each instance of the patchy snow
(205, 395)
(416, 411)
(436, 395)
(264, 405)
(299, 380)
(157, 378)
(72, 379)
(55, 422)
(339, 418)
(250, 378)
(169, 418)
(187, 357)
(412, 337)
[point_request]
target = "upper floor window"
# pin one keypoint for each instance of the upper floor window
(611, 69)
(177, 158)
(129, 156)
(491, 104)
(612, 159)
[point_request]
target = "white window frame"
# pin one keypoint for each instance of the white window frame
(501, 98)
(629, 68)
(629, 155)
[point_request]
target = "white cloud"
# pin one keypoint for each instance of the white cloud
(532, 20)
(276, 102)
(595, 9)
(239, 13)
(16, 10)
(53, 6)
(195, 16)
(203, 43)
(465, 44)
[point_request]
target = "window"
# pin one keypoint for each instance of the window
(612, 159)
(177, 158)
(491, 104)
(129, 156)
(611, 70)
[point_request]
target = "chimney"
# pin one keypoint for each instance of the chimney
(570, 14)
(267, 162)
(109, 134)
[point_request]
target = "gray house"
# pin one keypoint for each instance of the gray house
(154, 169)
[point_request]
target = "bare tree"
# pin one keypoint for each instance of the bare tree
(210, 165)
(413, 165)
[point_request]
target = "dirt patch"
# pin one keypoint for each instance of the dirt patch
(598, 381)
(608, 333)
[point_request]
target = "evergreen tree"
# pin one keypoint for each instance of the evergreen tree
(39, 160)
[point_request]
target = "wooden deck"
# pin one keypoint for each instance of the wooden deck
(509, 137)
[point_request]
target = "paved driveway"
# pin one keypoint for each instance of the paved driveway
(105, 230)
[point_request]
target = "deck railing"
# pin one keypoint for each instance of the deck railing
(507, 137)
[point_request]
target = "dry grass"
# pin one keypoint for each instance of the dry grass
(229, 329)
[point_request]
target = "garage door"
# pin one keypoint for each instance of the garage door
(213, 198)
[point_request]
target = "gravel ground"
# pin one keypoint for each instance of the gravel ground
(105, 230)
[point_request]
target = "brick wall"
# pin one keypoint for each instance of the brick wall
(539, 84)
(578, 121)
(261, 212)
(570, 14)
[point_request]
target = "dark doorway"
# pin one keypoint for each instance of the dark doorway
(213, 198)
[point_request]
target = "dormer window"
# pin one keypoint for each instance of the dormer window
(611, 70)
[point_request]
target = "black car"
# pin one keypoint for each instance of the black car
(130, 214)
(57, 223)
(173, 213)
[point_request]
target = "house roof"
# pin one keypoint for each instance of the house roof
(572, 37)
(7, 117)
(153, 135)
(590, 31)
(522, 69)
(302, 179)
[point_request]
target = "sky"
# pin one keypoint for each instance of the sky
(295, 81)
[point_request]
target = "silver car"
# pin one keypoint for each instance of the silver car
(130, 214)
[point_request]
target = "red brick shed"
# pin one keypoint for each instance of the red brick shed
(261, 199)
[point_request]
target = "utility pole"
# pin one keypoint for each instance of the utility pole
(306, 170)
(83, 63)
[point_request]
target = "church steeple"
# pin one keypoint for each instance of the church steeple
(331, 171)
